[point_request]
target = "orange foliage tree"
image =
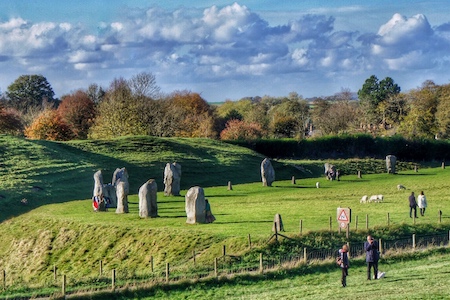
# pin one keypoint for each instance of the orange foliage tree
(49, 126)
(240, 130)
(78, 112)
(194, 115)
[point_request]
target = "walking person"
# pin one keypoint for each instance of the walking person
(372, 256)
(422, 203)
(344, 264)
(412, 205)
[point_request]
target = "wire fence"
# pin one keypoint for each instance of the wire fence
(226, 265)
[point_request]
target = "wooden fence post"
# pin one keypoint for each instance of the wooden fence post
(54, 273)
(261, 266)
(388, 219)
(113, 279)
(101, 268)
(347, 230)
(367, 222)
(301, 226)
(167, 272)
(440, 216)
(151, 263)
(305, 256)
(224, 251)
(380, 246)
(63, 289)
(330, 222)
(414, 241)
(356, 223)
(249, 241)
(193, 256)
(215, 267)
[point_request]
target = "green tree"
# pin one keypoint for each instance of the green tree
(443, 111)
(30, 91)
(373, 93)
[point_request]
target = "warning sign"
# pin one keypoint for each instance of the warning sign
(344, 215)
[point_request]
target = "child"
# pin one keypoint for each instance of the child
(344, 264)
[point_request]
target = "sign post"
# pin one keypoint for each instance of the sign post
(344, 217)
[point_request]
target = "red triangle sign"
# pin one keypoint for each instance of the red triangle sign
(343, 216)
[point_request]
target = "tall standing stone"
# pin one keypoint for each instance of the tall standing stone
(195, 205)
(267, 172)
(109, 193)
(148, 199)
(121, 175)
(122, 197)
(278, 222)
(98, 184)
(172, 179)
(391, 160)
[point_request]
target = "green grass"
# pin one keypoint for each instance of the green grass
(58, 226)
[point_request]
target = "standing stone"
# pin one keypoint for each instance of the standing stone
(98, 184)
(267, 172)
(330, 171)
(148, 199)
(391, 160)
(278, 222)
(122, 197)
(195, 205)
(109, 193)
(172, 179)
(122, 175)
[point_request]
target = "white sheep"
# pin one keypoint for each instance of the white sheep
(373, 198)
(363, 199)
(317, 184)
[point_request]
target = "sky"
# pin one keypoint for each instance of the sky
(226, 50)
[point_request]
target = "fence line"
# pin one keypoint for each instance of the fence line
(227, 265)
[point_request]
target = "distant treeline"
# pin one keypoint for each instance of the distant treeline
(355, 146)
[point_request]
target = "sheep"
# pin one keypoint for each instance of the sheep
(401, 187)
(379, 198)
(373, 198)
(317, 184)
(363, 199)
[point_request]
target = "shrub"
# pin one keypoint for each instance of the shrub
(49, 126)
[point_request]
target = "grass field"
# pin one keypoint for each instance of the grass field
(58, 228)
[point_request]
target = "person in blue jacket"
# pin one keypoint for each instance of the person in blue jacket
(372, 256)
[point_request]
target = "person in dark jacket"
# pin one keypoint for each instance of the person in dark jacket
(412, 205)
(372, 256)
(344, 264)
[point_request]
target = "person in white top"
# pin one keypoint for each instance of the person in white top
(422, 203)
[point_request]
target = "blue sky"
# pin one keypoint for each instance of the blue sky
(226, 50)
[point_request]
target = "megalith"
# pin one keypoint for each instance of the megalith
(172, 179)
(109, 193)
(195, 205)
(391, 160)
(122, 175)
(148, 206)
(277, 223)
(330, 171)
(267, 172)
(122, 197)
(98, 184)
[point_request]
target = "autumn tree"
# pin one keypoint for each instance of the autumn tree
(78, 111)
(241, 130)
(421, 121)
(193, 115)
(49, 126)
(10, 121)
(119, 113)
(443, 112)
